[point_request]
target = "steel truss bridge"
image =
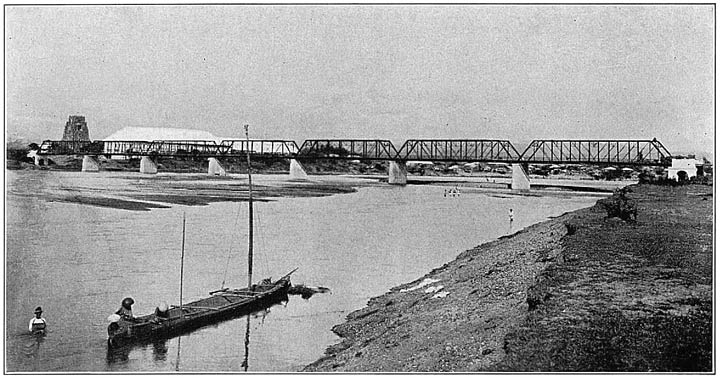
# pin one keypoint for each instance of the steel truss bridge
(597, 152)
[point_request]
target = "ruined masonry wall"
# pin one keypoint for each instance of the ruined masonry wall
(76, 129)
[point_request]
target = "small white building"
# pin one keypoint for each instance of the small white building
(684, 169)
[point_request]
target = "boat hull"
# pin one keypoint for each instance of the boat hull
(221, 306)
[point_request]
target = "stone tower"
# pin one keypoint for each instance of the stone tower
(76, 129)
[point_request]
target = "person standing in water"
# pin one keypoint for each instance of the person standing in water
(511, 219)
(37, 324)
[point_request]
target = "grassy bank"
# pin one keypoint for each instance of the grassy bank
(626, 296)
(582, 292)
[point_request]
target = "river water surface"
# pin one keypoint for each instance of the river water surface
(78, 261)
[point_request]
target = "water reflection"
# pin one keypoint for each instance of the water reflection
(244, 364)
(121, 354)
(177, 359)
(31, 347)
(117, 355)
(160, 350)
(262, 314)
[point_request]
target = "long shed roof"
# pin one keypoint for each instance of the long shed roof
(161, 133)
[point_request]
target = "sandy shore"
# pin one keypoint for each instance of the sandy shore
(581, 292)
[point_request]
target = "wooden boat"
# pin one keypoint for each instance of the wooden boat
(221, 305)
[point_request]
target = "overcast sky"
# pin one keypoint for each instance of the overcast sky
(378, 72)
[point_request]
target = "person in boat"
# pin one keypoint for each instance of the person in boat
(113, 327)
(162, 311)
(37, 324)
(125, 310)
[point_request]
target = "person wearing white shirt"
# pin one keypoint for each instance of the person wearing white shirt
(38, 323)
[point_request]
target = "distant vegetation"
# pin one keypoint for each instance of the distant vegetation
(16, 153)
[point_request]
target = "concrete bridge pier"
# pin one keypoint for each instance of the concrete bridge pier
(520, 177)
(90, 164)
(297, 172)
(215, 168)
(397, 173)
(148, 165)
(41, 161)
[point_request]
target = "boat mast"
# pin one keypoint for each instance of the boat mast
(250, 210)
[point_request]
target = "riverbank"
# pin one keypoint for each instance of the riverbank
(581, 292)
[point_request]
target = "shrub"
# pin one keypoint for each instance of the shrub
(699, 180)
(619, 205)
(571, 228)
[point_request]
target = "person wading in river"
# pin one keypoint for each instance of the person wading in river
(37, 324)
(511, 220)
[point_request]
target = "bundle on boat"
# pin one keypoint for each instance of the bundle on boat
(306, 292)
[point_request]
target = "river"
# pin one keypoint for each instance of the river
(77, 257)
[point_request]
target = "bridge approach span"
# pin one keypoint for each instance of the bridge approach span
(174, 148)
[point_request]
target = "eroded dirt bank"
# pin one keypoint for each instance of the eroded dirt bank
(581, 292)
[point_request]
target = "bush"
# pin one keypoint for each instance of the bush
(619, 205)
(664, 181)
(571, 228)
(699, 180)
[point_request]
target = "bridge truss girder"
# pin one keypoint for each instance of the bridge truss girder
(459, 150)
(353, 149)
(621, 152)
(265, 147)
(134, 147)
(164, 148)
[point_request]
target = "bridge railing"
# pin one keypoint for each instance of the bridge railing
(356, 149)
(631, 152)
(468, 150)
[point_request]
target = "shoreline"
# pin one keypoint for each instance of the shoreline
(487, 288)
(580, 292)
